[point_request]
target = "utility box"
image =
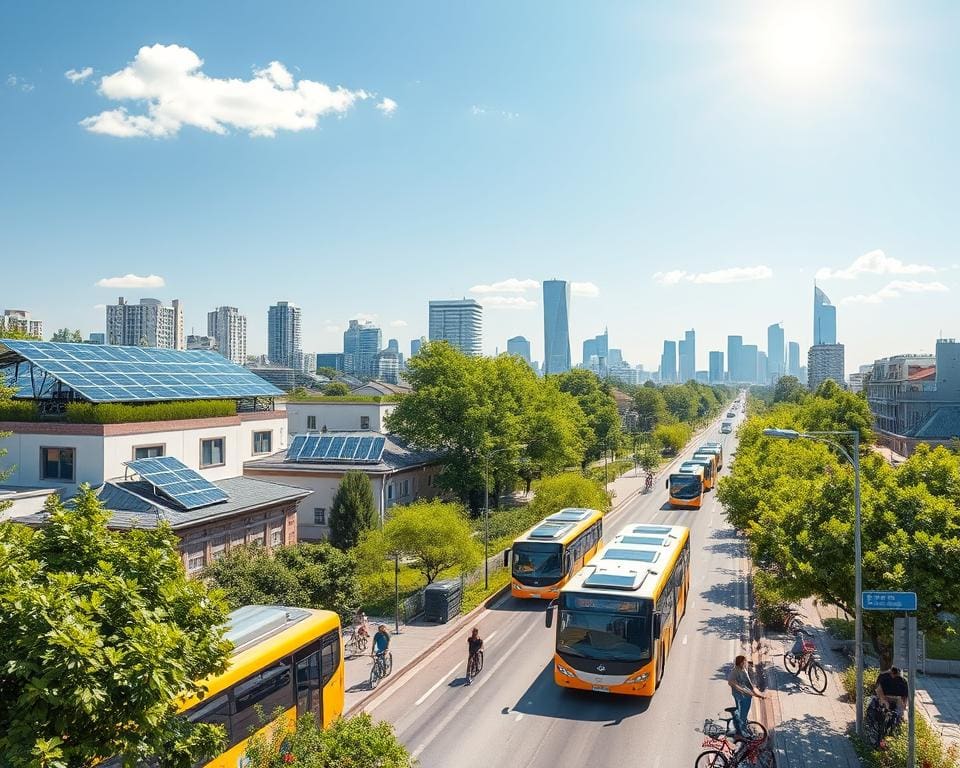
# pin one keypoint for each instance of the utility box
(441, 600)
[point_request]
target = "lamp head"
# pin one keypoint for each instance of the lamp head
(782, 434)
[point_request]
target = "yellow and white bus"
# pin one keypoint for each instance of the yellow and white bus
(547, 555)
(710, 469)
(685, 487)
(287, 658)
(716, 448)
(618, 616)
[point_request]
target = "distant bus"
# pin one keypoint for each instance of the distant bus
(618, 616)
(547, 555)
(712, 461)
(685, 489)
(716, 448)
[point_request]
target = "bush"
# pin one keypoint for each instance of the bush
(841, 629)
(568, 490)
(613, 471)
(18, 410)
(124, 413)
(930, 752)
(673, 437)
(848, 678)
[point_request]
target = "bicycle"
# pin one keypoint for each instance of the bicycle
(382, 666)
(474, 665)
(792, 618)
(356, 643)
(806, 661)
(881, 721)
(754, 750)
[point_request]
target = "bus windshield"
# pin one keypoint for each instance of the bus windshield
(595, 633)
(685, 486)
(536, 564)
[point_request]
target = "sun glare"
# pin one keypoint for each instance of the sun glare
(802, 42)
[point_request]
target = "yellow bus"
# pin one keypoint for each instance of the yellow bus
(618, 616)
(289, 658)
(685, 488)
(716, 448)
(547, 555)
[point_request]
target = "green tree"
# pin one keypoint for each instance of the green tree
(336, 388)
(651, 408)
(435, 535)
(100, 632)
(554, 428)
(330, 373)
(66, 336)
(5, 394)
(648, 458)
(673, 437)
(568, 490)
(682, 402)
(598, 405)
(353, 510)
(788, 389)
(15, 333)
(305, 575)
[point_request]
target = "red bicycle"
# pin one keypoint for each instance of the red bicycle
(723, 752)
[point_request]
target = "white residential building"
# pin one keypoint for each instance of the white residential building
(147, 324)
(20, 320)
(458, 322)
(229, 328)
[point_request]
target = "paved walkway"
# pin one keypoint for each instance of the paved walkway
(939, 698)
(809, 729)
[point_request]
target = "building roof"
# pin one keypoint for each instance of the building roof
(384, 388)
(105, 373)
(133, 504)
(943, 424)
(922, 373)
(396, 455)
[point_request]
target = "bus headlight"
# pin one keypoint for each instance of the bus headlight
(641, 678)
(564, 671)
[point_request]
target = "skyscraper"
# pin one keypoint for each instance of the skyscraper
(283, 335)
(688, 356)
(824, 319)
(229, 328)
(458, 322)
(734, 353)
(556, 326)
(416, 344)
(793, 359)
(519, 346)
(763, 376)
(361, 344)
(147, 324)
(825, 361)
(596, 353)
(668, 362)
(748, 363)
(775, 353)
(716, 367)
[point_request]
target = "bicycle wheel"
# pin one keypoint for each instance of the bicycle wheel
(387, 664)
(792, 663)
(794, 625)
(710, 759)
(817, 675)
(757, 731)
(361, 642)
(376, 673)
(479, 661)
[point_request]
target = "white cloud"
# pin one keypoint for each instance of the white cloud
(508, 302)
(132, 281)
(480, 111)
(168, 80)
(510, 285)
(329, 326)
(584, 289)
(895, 290)
(18, 82)
(398, 323)
(100, 307)
(717, 277)
(387, 106)
(365, 317)
(78, 75)
(873, 263)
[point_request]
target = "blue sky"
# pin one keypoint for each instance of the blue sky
(689, 166)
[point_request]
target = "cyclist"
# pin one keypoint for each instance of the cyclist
(743, 691)
(892, 692)
(381, 642)
(474, 646)
(649, 482)
(360, 622)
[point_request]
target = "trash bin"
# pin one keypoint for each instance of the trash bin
(441, 601)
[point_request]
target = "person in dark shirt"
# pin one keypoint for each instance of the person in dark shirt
(892, 690)
(474, 646)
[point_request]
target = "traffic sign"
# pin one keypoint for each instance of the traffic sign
(889, 601)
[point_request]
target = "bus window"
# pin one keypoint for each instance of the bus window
(330, 656)
(270, 689)
(309, 697)
(215, 711)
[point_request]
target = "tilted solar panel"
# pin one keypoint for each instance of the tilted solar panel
(322, 448)
(182, 485)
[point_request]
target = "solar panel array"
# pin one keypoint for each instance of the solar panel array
(550, 530)
(178, 482)
(324, 448)
(104, 373)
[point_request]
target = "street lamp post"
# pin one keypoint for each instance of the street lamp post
(486, 510)
(823, 437)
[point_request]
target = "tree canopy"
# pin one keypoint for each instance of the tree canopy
(336, 388)
(568, 490)
(100, 632)
(598, 406)
(352, 511)
(65, 335)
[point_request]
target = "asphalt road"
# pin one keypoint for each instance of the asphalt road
(514, 714)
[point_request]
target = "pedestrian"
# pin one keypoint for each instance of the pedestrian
(743, 693)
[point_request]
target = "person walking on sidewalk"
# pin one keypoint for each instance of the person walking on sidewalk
(743, 693)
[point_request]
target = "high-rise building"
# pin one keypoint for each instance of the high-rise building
(556, 326)
(762, 367)
(776, 358)
(825, 361)
(416, 344)
(688, 356)
(361, 345)
(393, 346)
(734, 353)
(793, 359)
(615, 357)
(668, 363)
(229, 328)
(19, 320)
(748, 363)
(596, 353)
(716, 367)
(388, 365)
(824, 319)
(96, 338)
(519, 346)
(459, 322)
(332, 360)
(201, 342)
(147, 324)
(283, 335)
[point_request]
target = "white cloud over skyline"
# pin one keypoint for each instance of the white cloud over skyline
(78, 75)
(717, 277)
(131, 281)
(895, 290)
(387, 106)
(874, 262)
(168, 80)
(586, 290)
(508, 302)
(398, 323)
(510, 285)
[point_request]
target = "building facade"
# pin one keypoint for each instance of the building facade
(687, 354)
(229, 328)
(284, 344)
(19, 320)
(734, 353)
(825, 361)
(668, 363)
(776, 354)
(556, 326)
(824, 319)
(337, 416)
(459, 322)
(749, 356)
(332, 360)
(202, 342)
(716, 367)
(596, 353)
(793, 359)
(519, 346)
(147, 324)
(361, 343)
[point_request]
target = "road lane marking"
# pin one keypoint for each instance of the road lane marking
(519, 718)
(684, 640)
(436, 685)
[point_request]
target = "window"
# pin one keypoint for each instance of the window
(237, 539)
(276, 535)
(329, 656)
(196, 558)
(57, 464)
(364, 422)
(319, 515)
(216, 711)
(211, 452)
(262, 442)
(390, 491)
(270, 688)
(311, 423)
(405, 489)
(256, 537)
(148, 451)
(218, 546)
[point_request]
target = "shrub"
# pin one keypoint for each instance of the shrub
(848, 679)
(842, 629)
(930, 752)
(125, 413)
(18, 410)
(568, 490)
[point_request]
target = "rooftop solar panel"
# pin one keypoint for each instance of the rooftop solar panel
(572, 514)
(332, 448)
(640, 555)
(102, 373)
(619, 579)
(651, 529)
(182, 485)
(648, 541)
(548, 530)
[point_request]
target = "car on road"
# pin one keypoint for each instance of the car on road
(726, 428)
(730, 414)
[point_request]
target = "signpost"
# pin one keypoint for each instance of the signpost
(874, 600)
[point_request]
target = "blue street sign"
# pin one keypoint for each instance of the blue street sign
(889, 601)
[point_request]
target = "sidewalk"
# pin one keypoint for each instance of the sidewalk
(809, 730)
(939, 700)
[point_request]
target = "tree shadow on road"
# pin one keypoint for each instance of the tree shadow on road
(727, 594)
(730, 626)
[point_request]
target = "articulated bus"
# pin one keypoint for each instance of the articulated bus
(289, 658)
(618, 616)
(714, 448)
(686, 488)
(547, 555)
